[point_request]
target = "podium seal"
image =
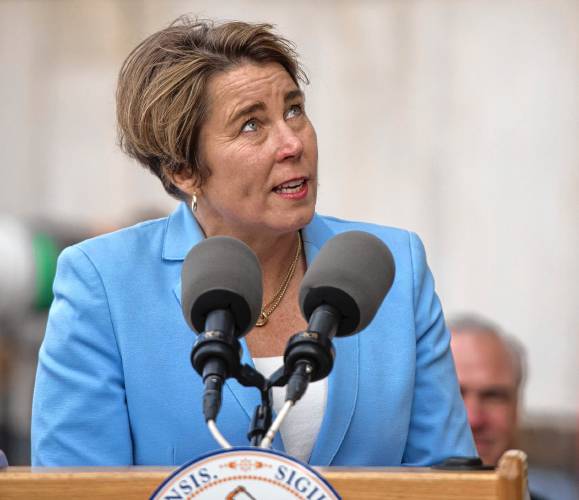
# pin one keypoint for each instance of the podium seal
(245, 474)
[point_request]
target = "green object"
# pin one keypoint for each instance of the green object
(45, 255)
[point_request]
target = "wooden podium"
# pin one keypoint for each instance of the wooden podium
(507, 482)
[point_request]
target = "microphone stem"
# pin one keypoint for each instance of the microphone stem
(221, 320)
(268, 439)
(325, 320)
(296, 387)
(213, 378)
(299, 381)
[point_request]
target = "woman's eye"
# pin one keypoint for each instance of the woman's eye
(249, 126)
(293, 111)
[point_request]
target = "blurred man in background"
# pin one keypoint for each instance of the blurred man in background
(491, 370)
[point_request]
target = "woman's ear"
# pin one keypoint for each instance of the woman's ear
(186, 182)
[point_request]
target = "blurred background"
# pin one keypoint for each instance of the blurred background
(457, 119)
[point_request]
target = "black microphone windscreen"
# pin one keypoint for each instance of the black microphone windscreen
(221, 273)
(353, 273)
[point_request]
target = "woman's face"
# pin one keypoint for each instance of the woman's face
(261, 150)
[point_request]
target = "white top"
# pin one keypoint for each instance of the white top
(300, 428)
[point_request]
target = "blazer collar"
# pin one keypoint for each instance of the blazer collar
(181, 234)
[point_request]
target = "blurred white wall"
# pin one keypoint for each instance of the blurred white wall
(456, 119)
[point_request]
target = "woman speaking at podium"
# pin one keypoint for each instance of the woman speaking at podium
(217, 113)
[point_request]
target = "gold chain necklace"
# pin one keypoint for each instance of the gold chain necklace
(274, 302)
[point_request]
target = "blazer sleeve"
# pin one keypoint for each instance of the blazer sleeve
(79, 411)
(438, 424)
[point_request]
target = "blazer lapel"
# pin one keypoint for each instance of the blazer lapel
(343, 381)
(341, 402)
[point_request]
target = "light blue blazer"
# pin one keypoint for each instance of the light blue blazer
(114, 384)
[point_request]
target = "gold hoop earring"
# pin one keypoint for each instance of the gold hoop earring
(194, 202)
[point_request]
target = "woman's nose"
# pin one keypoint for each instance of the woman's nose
(290, 145)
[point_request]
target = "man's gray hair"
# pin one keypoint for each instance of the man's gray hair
(478, 325)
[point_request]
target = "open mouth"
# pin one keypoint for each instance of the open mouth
(293, 186)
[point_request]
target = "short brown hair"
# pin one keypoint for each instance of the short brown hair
(161, 93)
